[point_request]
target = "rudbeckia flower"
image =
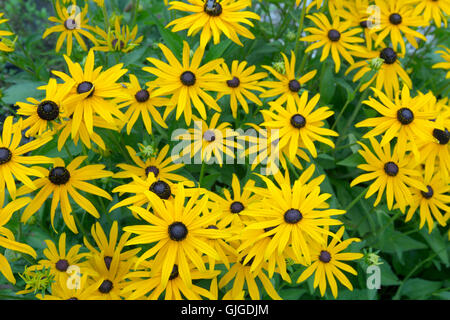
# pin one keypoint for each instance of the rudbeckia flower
(179, 231)
(94, 86)
(445, 54)
(70, 24)
(214, 17)
(242, 81)
(299, 124)
(396, 18)
(403, 118)
(288, 85)
(7, 239)
(327, 263)
(83, 291)
(4, 33)
(391, 171)
(437, 10)
(335, 37)
(141, 102)
(62, 181)
(185, 82)
(385, 61)
(13, 157)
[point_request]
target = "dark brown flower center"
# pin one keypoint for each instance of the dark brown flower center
(405, 116)
(114, 44)
(388, 55)
(213, 8)
(395, 19)
(294, 85)
(84, 87)
(70, 24)
(391, 169)
(5, 155)
(298, 121)
(162, 189)
(62, 265)
(234, 83)
(292, 216)
(153, 170)
(188, 78)
(59, 175)
(236, 207)
(209, 136)
(325, 256)
(48, 110)
(177, 231)
(429, 193)
(106, 286)
(334, 35)
(363, 24)
(442, 136)
(142, 96)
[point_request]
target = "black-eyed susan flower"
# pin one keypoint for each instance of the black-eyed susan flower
(436, 152)
(392, 173)
(70, 24)
(7, 239)
(242, 81)
(49, 112)
(209, 143)
(95, 86)
(214, 17)
(327, 263)
(293, 215)
(403, 118)
(59, 259)
(160, 166)
(120, 39)
(299, 124)
(433, 204)
(186, 83)
(178, 230)
(335, 37)
(141, 102)
(286, 86)
(81, 290)
(388, 70)
(13, 157)
(396, 19)
(147, 285)
(437, 10)
(4, 33)
(445, 54)
(62, 181)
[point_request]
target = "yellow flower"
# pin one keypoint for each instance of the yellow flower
(445, 54)
(3, 33)
(438, 10)
(214, 17)
(70, 24)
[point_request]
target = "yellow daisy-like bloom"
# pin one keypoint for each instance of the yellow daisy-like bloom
(335, 37)
(62, 181)
(233, 208)
(288, 85)
(214, 17)
(47, 113)
(387, 73)
(95, 87)
(438, 10)
(293, 215)
(242, 81)
(58, 260)
(13, 158)
(445, 54)
(327, 263)
(71, 24)
(205, 140)
(436, 151)
(141, 102)
(119, 39)
(392, 172)
(396, 18)
(242, 275)
(144, 283)
(7, 239)
(186, 82)
(160, 166)
(299, 124)
(83, 291)
(179, 232)
(403, 118)
(431, 202)
(3, 33)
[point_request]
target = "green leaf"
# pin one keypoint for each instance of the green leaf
(437, 243)
(352, 161)
(327, 87)
(172, 40)
(21, 91)
(292, 293)
(419, 289)
(388, 277)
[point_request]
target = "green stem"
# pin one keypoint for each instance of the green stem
(300, 28)
(68, 151)
(106, 18)
(80, 225)
(355, 201)
(202, 173)
(135, 11)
